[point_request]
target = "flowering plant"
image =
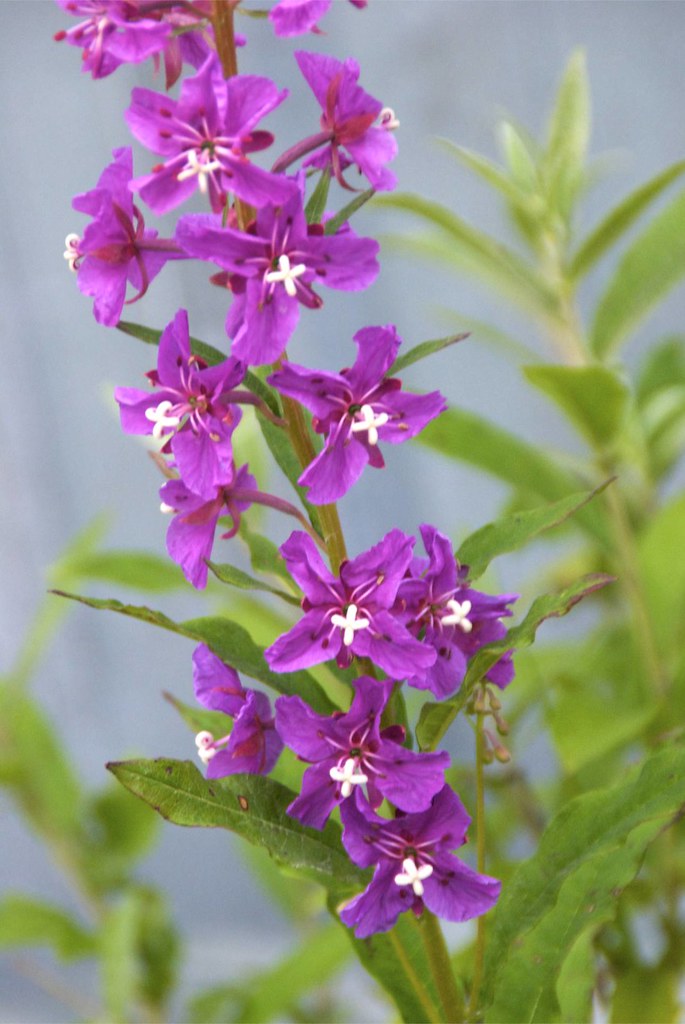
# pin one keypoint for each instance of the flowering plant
(341, 778)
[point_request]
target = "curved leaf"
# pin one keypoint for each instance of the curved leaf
(426, 348)
(594, 398)
(27, 922)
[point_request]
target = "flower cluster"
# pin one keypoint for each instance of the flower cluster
(394, 616)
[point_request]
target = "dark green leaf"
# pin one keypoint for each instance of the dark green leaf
(332, 225)
(314, 210)
(644, 995)
(229, 641)
(589, 853)
(465, 436)
(621, 218)
(242, 580)
(27, 922)
(158, 950)
(594, 398)
(513, 531)
(653, 264)
(252, 806)
(426, 348)
(435, 719)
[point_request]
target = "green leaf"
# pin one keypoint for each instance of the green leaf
(158, 949)
(264, 555)
(243, 581)
(118, 938)
(594, 398)
(644, 995)
(282, 451)
(662, 368)
(332, 225)
(229, 641)
(513, 531)
(198, 718)
(315, 208)
(488, 171)
(577, 979)
(568, 135)
(136, 569)
(426, 348)
(463, 435)
(588, 854)
(252, 806)
(662, 572)
(653, 264)
(27, 922)
(517, 153)
(119, 831)
(435, 719)
(620, 219)
(36, 769)
(487, 257)
(273, 994)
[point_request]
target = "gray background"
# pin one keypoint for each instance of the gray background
(447, 68)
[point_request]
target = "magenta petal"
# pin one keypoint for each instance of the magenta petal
(378, 907)
(392, 648)
(301, 728)
(309, 642)
(307, 568)
(318, 797)
(268, 325)
(377, 351)
(315, 389)
(344, 261)
(106, 284)
(254, 746)
(412, 780)
(456, 892)
(337, 467)
(295, 17)
(216, 684)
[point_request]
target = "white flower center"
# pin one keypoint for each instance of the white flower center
(71, 253)
(349, 775)
(413, 875)
(286, 275)
(158, 416)
(200, 167)
(349, 623)
(204, 741)
(457, 615)
(371, 422)
(388, 120)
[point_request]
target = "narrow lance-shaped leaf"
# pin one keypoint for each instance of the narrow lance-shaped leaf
(332, 225)
(252, 806)
(488, 171)
(316, 205)
(426, 348)
(28, 922)
(463, 435)
(243, 581)
(568, 135)
(435, 719)
(139, 570)
(620, 219)
(282, 451)
(595, 398)
(229, 641)
(264, 555)
(512, 532)
(653, 264)
(586, 857)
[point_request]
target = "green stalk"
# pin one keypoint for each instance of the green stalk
(479, 956)
(441, 965)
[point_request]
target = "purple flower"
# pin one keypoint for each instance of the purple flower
(273, 269)
(205, 137)
(414, 868)
(294, 17)
(193, 409)
(253, 745)
(451, 617)
(350, 750)
(360, 127)
(114, 250)
(350, 616)
(190, 536)
(355, 409)
(113, 32)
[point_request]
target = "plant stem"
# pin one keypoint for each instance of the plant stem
(441, 965)
(222, 19)
(432, 1014)
(480, 857)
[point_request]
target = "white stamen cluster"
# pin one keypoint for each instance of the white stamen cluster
(349, 775)
(71, 253)
(166, 510)
(457, 615)
(370, 421)
(158, 416)
(286, 275)
(201, 168)
(349, 623)
(204, 741)
(413, 875)
(388, 120)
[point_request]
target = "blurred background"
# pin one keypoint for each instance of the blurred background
(447, 68)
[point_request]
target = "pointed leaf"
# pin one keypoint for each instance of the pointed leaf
(588, 854)
(435, 719)
(237, 578)
(464, 435)
(264, 555)
(621, 218)
(494, 261)
(198, 718)
(28, 922)
(229, 641)
(136, 569)
(568, 135)
(332, 225)
(521, 161)
(118, 938)
(512, 532)
(314, 210)
(426, 348)
(653, 264)
(252, 806)
(488, 171)
(594, 398)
